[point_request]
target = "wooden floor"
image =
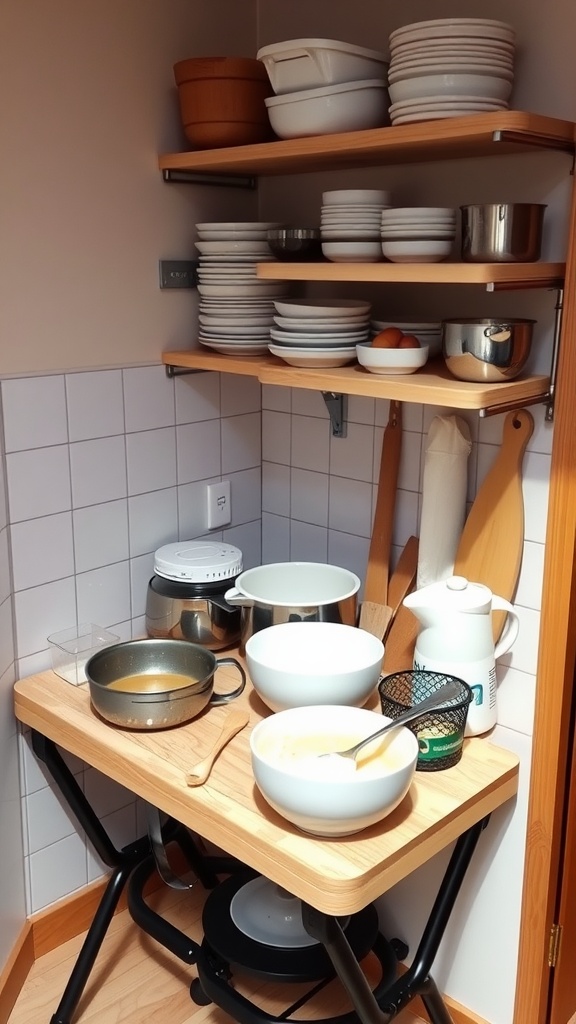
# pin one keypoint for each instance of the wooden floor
(135, 981)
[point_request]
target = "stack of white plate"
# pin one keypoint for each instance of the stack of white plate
(428, 334)
(319, 332)
(418, 234)
(450, 67)
(350, 224)
(236, 308)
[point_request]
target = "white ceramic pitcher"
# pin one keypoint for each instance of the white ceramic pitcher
(456, 638)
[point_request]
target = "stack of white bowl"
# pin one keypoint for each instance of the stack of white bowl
(350, 224)
(418, 234)
(450, 67)
(428, 333)
(236, 308)
(319, 332)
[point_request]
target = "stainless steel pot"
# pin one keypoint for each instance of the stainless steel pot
(294, 592)
(502, 232)
(185, 599)
(486, 350)
(154, 684)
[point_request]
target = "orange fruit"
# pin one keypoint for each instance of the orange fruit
(390, 337)
(409, 341)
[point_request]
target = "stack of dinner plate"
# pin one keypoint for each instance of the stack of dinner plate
(450, 67)
(418, 234)
(350, 224)
(319, 332)
(236, 308)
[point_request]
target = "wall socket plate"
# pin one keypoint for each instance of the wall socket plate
(178, 273)
(218, 505)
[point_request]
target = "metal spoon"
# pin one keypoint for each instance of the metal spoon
(444, 693)
(235, 721)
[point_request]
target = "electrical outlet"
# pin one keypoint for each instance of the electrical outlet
(178, 273)
(218, 504)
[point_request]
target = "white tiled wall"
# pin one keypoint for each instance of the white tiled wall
(102, 468)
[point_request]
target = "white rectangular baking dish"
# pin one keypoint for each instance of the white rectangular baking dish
(298, 64)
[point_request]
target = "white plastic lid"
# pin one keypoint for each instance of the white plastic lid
(198, 561)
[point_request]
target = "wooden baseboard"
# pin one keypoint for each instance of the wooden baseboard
(72, 915)
(15, 972)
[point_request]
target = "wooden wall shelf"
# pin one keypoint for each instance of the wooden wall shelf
(493, 276)
(432, 385)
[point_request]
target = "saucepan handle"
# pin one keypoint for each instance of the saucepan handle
(224, 698)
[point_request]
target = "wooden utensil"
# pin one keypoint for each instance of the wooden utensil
(400, 638)
(374, 613)
(490, 548)
(235, 721)
(403, 578)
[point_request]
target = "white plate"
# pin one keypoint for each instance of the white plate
(235, 348)
(355, 196)
(318, 309)
(224, 248)
(238, 225)
(439, 102)
(229, 333)
(230, 260)
(338, 251)
(439, 115)
(246, 235)
(227, 322)
(311, 358)
(353, 208)
(240, 307)
(318, 338)
(357, 234)
(293, 323)
(264, 288)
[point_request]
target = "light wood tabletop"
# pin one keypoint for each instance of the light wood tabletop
(337, 876)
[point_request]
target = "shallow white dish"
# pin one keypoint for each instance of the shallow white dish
(231, 246)
(420, 212)
(235, 321)
(335, 108)
(320, 339)
(417, 251)
(486, 28)
(434, 114)
(238, 348)
(391, 360)
(424, 231)
(262, 288)
(314, 357)
(231, 333)
(441, 102)
(352, 252)
(441, 45)
(351, 218)
(356, 196)
(238, 225)
(316, 308)
(450, 87)
(350, 234)
(336, 210)
(302, 325)
(239, 234)
(297, 64)
(451, 64)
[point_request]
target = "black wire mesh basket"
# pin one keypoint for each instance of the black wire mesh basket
(440, 733)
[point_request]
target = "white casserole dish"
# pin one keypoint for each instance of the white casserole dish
(310, 63)
(335, 108)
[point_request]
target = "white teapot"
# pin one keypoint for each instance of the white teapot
(456, 638)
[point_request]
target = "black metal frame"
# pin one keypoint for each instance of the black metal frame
(134, 864)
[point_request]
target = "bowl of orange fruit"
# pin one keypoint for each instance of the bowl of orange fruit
(392, 351)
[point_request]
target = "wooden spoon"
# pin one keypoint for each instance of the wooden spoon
(235, 721)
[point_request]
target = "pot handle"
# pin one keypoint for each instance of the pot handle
(512, 625)
(234, 597)
(224, 698)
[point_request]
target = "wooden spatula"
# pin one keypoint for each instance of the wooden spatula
(374, 613)
(490, 548)
(403, 578)
(401, 636)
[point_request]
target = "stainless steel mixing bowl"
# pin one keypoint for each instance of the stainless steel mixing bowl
(486, 350)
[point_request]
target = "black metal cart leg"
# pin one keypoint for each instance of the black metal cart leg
(435, 1005)
(91, 946)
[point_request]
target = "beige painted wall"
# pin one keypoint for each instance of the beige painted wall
(88, 101)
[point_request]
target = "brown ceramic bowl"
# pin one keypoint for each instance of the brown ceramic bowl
(222, 101)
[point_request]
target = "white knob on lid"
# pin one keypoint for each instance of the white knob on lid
(457, 583)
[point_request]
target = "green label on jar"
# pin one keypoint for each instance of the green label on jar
(432, 747)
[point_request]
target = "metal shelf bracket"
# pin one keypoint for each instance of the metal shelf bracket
(180, 371)
(175, 177)
(336, 405)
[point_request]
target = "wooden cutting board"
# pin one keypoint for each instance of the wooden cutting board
(375, 614)
(490, 548)
(401, 637)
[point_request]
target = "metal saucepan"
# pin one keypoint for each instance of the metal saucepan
(502, 232)
(486, 350)
(154, 684)
(294, 592)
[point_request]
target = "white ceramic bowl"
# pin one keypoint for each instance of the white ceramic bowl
(355, 196)
(389, 361)
(313, 309)
(417, 251)
(453, 86)
(335, 108)
(295, 664)
(315, 797)
(419, 213)
(352, 252)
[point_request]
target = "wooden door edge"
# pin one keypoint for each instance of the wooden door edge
(16, 970)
